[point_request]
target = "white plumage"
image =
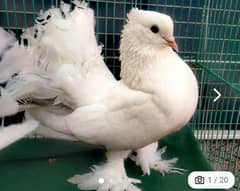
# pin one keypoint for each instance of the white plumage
(15, 132)
(156, 96)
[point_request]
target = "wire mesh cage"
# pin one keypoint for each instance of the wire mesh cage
(208, 36)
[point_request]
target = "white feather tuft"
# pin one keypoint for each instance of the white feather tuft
(13, 56)
(6, 39)
(8, 105)
(12, 133)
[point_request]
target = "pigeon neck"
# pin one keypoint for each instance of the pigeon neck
(136, 64)
(133, 68)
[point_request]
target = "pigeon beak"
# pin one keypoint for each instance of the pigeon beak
(172, 43)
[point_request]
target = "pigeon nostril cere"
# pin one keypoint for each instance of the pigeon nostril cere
(101, 180)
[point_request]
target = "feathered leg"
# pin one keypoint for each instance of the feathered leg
(149, 157)
(108, 177)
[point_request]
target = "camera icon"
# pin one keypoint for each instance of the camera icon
(199, 180)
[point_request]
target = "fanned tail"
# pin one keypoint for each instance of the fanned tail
(32, 70)
(59, 37)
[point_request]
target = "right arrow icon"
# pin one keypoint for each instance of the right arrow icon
(218, 95)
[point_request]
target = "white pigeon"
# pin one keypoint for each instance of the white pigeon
(157, 96)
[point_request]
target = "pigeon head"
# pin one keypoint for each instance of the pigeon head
(144, 39)
(148, 31)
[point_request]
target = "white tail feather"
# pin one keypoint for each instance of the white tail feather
(6, 39)
(13, 133)
(13, 58)
(8, 105)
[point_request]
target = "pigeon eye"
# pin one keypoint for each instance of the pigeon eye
(154, 29)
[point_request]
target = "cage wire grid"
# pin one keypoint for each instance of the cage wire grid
(208, 36)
